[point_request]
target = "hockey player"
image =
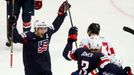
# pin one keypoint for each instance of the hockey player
(28, 7)
(107, 49)
(36, 55)
(90, 61)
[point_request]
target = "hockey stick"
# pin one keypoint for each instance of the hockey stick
(8, 43)
(11, 51)
(71, 21)
(127, 29)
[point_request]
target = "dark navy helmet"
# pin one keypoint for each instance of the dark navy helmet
(94, 28)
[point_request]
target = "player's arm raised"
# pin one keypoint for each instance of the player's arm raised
(61, 16)
(68, 54)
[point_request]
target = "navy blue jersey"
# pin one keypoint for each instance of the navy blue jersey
(36, 55)
(87, 61)
(91, 63)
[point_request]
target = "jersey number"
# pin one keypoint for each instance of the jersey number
(105, 45)
(85, 65)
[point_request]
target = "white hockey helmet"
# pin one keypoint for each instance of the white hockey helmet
(39, 24)
(95, 42)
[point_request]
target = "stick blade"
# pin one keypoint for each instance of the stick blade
(129, 30)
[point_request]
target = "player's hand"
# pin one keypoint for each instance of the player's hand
(72, 34)
(12, 21)
(38, 4)
(63, 8)
(128, 70)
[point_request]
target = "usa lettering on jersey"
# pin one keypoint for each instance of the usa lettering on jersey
(43, 45)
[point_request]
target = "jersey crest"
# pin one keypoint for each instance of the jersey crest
(43, 45)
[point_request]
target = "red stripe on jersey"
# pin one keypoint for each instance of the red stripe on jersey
(105, 44)
(26, 24)
(72, 56)
(92, 73)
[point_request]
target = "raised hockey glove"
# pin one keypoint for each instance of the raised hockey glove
(63, 8)
(72, 34)
(38, 4)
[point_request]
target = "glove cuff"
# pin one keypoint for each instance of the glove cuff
(62, 14)
(72, 37)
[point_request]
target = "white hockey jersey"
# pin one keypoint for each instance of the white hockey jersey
(107, 49)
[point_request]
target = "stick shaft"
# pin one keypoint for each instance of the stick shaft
(71, 21)
(11, 52)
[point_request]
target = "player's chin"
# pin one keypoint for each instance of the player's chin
(42, 35)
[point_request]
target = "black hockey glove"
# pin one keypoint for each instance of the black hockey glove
(12, 21)
(128, 70)
(63, 8)
(11, 24)
(72, 34)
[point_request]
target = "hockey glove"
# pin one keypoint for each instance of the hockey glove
(38, 4)
(128, 70)
(72, 34)
(63, 8)
(12, 21)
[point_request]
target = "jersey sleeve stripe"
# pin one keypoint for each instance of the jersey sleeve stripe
(71, 56)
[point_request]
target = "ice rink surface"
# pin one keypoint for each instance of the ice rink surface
(112, 15)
